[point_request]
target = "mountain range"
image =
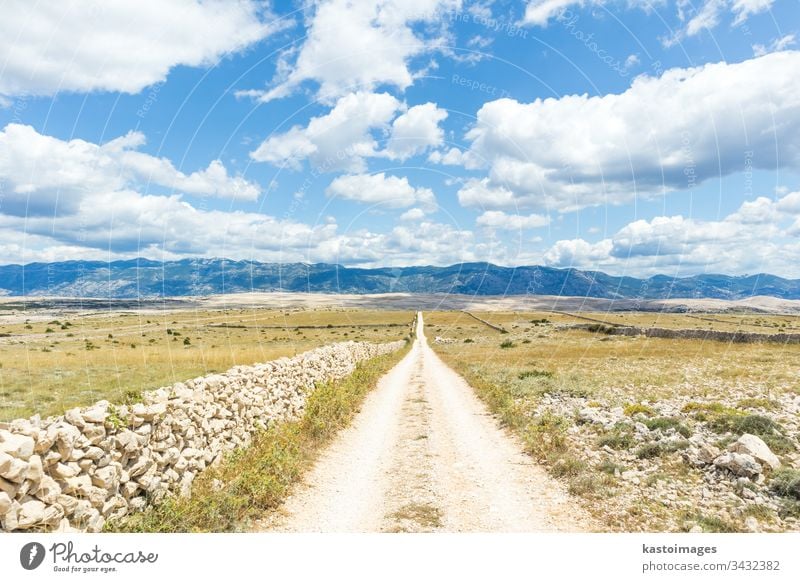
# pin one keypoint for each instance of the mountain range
(141, 278)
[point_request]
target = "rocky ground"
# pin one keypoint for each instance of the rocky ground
(690, 465)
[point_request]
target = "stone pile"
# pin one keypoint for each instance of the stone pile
(73, 472)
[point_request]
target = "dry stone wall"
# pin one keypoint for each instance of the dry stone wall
(738, 337)
(73, 472)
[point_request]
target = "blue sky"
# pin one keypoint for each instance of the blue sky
(630, 137)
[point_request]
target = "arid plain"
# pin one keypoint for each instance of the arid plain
(638, 433)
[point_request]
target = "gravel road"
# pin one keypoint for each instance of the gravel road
(424, 454)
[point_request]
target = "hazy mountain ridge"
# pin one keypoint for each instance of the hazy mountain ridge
(145, 278)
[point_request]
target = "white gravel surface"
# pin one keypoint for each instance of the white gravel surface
(424, 454)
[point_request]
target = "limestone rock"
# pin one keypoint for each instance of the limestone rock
(96, 414)
(32, 513)
(755, 447)
(706, 453)
(68, 503)
(5, 503)
(48, 490)
(15, 471)
(79, 485)
(739, 464)
(8, 487)
(35, 469)
(63, 471)
(107, 477)
(16, 445)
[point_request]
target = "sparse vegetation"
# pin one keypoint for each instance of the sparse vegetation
(634, 409)
(786, 482)
(85, 358)
(627, 407)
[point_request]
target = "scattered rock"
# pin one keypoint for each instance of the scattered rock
(751, 524)
(739, 464)
(755, 447)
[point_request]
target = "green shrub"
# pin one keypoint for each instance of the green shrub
(507, 344)
(762, 426)
(632, 409)
(535, 374)
(651, 450)
(618, 438)
(764, 403)
(667, 422)
(786, 482)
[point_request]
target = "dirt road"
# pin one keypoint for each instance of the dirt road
(424, 454)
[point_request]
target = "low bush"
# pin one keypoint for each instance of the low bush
(637, 408)
(618, 438)
(786, 482)
(667, 422)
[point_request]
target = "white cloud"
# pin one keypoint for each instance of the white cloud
(453, 157)
(416, 130)
(381, 189)
(757, 237)
(127, 223)
(666, 133)
(341, 139)
(631, 61)
(413, 214)
(743, 9)
(710, 13)
(96, 45)
(46, 175)
(577, 253)
(706, 17)
(338, 140)
(776, 45)
(539, 12)
(358, 45)
(502, 221)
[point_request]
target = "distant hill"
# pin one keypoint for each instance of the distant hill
(147, 279)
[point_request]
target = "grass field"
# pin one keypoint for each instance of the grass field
(617, 367)
(49, 365)
(541, 378)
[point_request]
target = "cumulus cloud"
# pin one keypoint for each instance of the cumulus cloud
(757, 237)
(539, 12)
(454, 157)
(664, 133)
(338, 140)
(343, 138)
(42, 174)
(502, 221)
(95, 45)
(358, 44)
(381, 189)
(415, 131)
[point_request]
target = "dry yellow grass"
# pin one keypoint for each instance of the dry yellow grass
(47, 366)
(608, 365)
(539, 376)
